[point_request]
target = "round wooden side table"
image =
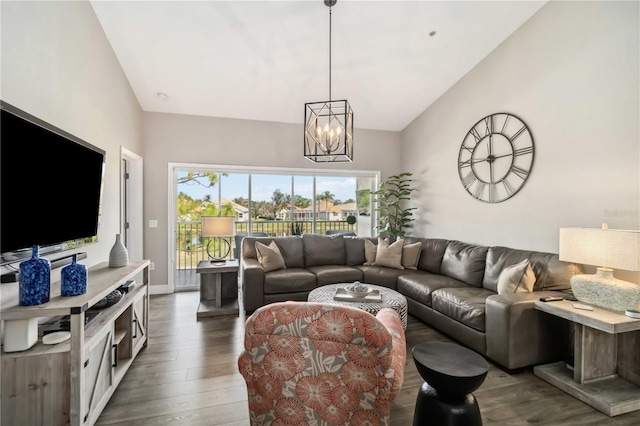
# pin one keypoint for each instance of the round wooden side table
(451, 373)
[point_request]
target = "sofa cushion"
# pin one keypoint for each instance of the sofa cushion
(550, 272)
(269, 256)
(389, 255)
(431, 253)
(381, 275)
(354, 248)
(420, 285)
(290, 280)
(411, 255)
(464, 262)
(518, 278)
(291, 249)
(463, 304)
(323, 250)
(332, 274)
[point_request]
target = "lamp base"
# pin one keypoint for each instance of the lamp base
(219, 259)
(606, 291)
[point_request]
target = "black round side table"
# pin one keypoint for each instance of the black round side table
(451, 373)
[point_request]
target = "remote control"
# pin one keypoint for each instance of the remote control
(581, 306)
(551, 299)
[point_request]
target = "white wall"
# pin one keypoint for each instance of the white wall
(208, 140)
(58, 66)
(572, 74)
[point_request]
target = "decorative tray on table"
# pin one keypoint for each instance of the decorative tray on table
(357, 292)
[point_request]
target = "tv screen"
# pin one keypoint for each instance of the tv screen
(51, 184)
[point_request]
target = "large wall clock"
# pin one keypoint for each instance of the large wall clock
(496, 157)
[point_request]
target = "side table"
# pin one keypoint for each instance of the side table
(606, 372)
(218, 288)
(451, 372)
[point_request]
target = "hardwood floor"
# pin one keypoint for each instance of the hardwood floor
(188, 375)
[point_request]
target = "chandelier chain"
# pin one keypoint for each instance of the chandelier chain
(330, 8)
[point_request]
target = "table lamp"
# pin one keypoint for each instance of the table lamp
(219, 227)
(607, 249)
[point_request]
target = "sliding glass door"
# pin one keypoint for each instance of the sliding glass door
(264, 201)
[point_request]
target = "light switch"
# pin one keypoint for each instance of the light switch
(153, 224)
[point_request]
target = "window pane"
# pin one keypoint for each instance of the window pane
(303, 205)
(235, 199)
(270, 196)
(364, 206)
(335, 201)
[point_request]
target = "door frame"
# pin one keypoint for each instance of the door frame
(133, 202)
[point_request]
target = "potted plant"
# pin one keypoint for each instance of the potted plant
(392, 193)
(296, 229)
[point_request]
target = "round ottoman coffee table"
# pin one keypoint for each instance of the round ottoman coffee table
(390, 299)
(451, 372)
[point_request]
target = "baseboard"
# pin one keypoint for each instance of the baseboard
(159, 289)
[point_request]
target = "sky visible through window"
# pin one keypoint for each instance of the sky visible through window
(343, 188)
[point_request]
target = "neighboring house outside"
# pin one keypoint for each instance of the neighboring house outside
(347, 209)
(326, 211)
(241, 212)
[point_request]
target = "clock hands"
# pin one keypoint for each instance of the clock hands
(490, 158)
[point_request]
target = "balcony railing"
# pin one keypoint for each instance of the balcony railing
(191, 248)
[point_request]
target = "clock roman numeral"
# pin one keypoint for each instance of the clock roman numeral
(479, 190)
(508, 187)
(468, 180)
(504, 126)
(520, 172)
(518, 133)
(492, 193)
(488, 122)
(523, 151)
(467, 163)
(475, 134)
(470, 149)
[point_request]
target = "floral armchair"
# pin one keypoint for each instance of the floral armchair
(312, 363)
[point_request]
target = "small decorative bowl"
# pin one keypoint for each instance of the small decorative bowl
(358, 289)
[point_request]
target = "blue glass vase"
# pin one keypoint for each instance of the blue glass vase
(74, 279)
(35, 280)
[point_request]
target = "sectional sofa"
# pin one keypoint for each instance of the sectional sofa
(452, 288)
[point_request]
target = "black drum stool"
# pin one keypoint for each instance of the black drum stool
(451, 372)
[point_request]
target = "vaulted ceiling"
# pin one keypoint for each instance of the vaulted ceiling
(262, 60)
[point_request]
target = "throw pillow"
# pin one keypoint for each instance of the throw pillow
(518, 278)
(389, 255)
(411, 255)
(269, 256)
(369, 252)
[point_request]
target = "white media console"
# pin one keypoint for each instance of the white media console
(71, 382)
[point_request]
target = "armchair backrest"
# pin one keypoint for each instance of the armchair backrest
(315, 363)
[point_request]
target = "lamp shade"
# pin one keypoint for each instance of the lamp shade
(610, 248)
(218, 226)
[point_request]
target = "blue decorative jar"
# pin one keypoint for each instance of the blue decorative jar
(74, 279)
(35, 280)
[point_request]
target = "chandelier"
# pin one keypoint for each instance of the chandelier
(328, 125)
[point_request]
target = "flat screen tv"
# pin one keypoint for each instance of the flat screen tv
(50, 186)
